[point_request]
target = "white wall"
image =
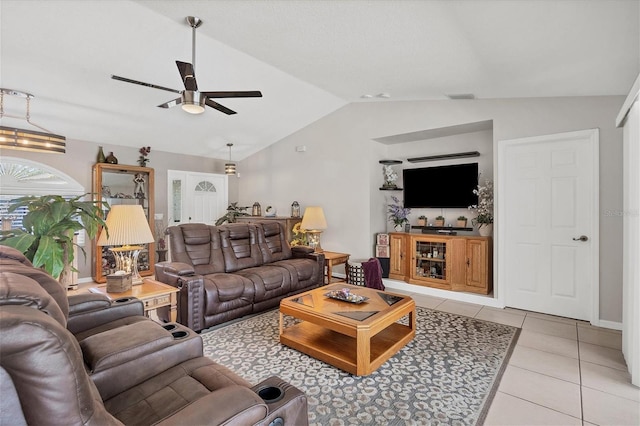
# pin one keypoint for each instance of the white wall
(340, 168)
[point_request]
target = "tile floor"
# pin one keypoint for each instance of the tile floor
(562, 371)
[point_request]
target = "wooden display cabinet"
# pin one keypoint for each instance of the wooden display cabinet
(121, 184)
(458, 263)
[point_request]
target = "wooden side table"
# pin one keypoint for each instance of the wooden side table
(152, 293)
(330, 260)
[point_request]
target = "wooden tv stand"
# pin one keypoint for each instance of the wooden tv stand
(448, 262)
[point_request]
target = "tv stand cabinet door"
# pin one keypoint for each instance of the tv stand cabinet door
(398, 256)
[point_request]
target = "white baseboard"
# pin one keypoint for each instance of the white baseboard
(477, 299)
(614, 325)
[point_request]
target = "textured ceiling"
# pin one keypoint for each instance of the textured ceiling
(307, 57)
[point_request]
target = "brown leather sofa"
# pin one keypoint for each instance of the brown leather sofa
(226, 272)
(119, 368)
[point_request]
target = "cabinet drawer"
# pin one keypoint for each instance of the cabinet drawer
(157, 302)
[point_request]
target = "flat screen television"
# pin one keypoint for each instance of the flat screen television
(444, 186)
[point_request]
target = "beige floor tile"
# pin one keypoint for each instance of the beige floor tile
(609, 380)
(598, 336)
(605, 409)
(509, 410)
(563, 320)
(427, 301)
(556, 394)
(552, 328)
(459, 308)
(547, 343)
(603, 356)
(558, 366)
(500, 316)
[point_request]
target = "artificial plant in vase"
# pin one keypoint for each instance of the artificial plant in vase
(233, 211)
(398, 215)
(48, 227)
(484, 208)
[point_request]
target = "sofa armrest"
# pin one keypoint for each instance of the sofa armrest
(191, 301)
(170, 272)
(90, 310)
(308, 253)
(229, 405)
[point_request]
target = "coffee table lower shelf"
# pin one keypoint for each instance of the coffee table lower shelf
(340, 350)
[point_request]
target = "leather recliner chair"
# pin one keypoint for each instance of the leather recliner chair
(47, 378)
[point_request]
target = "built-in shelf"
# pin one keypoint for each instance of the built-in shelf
(436, 229)
(390, 189)
(390, 162)
(444, 156)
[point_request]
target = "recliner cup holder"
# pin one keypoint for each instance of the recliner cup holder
(270, 394)
(169, 327)
(123, 299)
(179, 334)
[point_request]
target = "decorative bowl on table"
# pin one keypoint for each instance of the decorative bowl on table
(346, 296)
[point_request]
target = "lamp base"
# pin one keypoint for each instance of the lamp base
(314, 240)
(127, 261)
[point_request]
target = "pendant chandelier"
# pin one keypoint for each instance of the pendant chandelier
(28, 140)
(230, 168)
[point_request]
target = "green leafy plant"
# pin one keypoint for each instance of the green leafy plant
(484, 208)
(233, 211)
(422, 217)
(439, 217)
(462, 218)
(47, 235)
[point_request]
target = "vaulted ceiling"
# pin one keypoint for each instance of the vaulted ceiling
(308, 58)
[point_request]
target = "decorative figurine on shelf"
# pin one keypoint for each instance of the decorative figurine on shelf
(138, 192)
(111, 159)
(390, 177)
(270, 211)
(144, 151)
(295, 209)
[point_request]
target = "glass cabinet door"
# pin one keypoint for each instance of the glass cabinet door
(120, 184)
(430, 259)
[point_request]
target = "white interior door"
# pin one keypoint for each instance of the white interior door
(196, 197)
(548, 217)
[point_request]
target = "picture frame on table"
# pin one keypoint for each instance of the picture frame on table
(382, 251)
(382, 239)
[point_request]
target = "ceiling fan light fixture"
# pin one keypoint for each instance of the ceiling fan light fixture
(192, 102)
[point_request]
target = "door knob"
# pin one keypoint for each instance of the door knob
(581, 238)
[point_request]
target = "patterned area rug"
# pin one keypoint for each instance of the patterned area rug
(447, 375)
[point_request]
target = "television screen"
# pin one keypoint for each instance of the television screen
(445, 186)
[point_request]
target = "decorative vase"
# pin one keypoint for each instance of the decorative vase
(439, 222)
(111, 159)
(486, 230)
(101, 158)
(462, 223)
(398, 227)
(422, 222)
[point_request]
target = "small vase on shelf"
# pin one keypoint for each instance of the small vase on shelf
(101, 158)
(111, 159)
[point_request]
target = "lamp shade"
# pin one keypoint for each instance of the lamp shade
(313, 218)
(127, 225)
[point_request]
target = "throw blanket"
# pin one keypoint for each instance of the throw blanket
(373, 274)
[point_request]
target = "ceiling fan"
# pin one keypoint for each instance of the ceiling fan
(192, 100)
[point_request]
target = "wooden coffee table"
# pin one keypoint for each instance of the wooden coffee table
(357, 338)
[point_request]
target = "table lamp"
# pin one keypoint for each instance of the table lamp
(128, 228)
(313, 222)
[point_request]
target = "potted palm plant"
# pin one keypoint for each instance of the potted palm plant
(48, 227)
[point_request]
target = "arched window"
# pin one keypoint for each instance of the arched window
(20, 177)
(205, 186)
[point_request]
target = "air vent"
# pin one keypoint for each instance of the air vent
(461, 96)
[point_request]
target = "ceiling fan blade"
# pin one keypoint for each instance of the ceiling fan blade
(171, 103)
(246, 94)
(219, 107)
(153, 86)
(188, 76)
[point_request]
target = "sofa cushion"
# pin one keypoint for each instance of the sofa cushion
(303, 271)
(124, 344)
(198, 245)
(273, 242)
(16, 289)
(240, 247)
